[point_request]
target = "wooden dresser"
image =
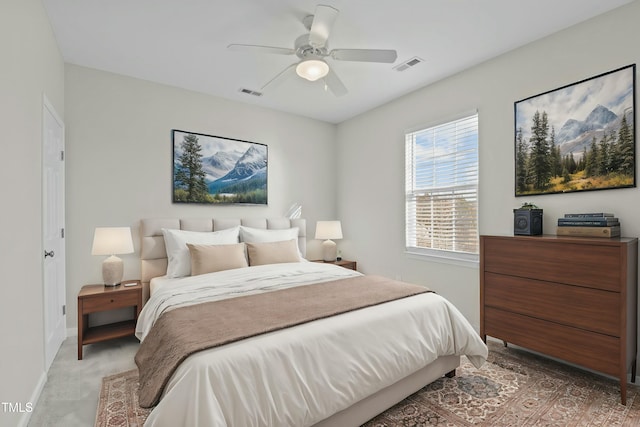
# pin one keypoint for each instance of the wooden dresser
(573, 298)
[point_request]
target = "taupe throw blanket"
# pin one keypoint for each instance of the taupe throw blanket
(186, 330)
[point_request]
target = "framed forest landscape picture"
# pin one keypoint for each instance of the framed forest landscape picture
(579, 137)
(216, 170)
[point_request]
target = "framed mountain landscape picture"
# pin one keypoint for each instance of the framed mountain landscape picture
(579, 137)
(216, 170)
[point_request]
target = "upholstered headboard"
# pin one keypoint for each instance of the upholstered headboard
(153, 255)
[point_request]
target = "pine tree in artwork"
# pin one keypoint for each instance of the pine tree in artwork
(570, 164)
(582, 164)
(191, 174)
(539, 159)
(556, 157)
(521, 163)
(625, 147)
(615, 159)
(603, 157)
(591, 164)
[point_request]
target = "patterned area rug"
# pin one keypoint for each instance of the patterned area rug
(118, 402)
(514, 388)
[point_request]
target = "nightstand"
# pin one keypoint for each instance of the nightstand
(95, 298)
(352, 265)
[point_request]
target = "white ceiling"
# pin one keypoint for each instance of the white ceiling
(184, 43)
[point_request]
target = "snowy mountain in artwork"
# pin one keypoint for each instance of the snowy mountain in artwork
(576, 135)
(248, 172)
(219, 164)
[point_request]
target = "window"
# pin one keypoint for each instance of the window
(442, 190)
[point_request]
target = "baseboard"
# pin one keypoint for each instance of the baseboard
(26, 416)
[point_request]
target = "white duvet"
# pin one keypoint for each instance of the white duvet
(304, 374)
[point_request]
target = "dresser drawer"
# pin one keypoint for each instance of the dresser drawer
(109, 302)
(590, 349)
(556, 261)
(585, 308)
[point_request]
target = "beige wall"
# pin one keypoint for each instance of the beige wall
(371, 205)
(31, 66)
(119, 162)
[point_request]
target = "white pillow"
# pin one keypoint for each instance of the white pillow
(259, 235)
(179, 261)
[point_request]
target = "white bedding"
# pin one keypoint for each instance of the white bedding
(304, 374)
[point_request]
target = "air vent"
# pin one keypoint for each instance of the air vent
(408, 64)
(250, 92)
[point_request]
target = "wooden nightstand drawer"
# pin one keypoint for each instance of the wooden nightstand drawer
(110, 302)
(95, 298)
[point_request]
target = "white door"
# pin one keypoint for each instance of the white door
(53, 231)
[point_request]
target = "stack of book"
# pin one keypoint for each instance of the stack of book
(589, 225)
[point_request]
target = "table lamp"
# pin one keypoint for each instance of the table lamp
(112, 241)
(328, 230)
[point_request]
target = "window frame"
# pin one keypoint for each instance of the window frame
(440, 255)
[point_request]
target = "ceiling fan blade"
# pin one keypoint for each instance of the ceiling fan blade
(323, 20)
(261, 49)
(279, 78)
(334, 84)
(365, 55)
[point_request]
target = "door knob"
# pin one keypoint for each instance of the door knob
(50, 253)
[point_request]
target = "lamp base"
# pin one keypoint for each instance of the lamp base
(112, 271)
(329, 250)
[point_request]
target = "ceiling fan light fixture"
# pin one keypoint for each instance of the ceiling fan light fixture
(312, 69)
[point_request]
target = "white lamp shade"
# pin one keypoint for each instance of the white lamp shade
(112, 240)
(312, 69)
(328, 230)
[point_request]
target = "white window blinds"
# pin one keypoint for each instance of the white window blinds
(442, 189)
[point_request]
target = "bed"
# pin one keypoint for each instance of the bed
(338, 370)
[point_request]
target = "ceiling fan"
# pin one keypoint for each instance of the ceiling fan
(312, 49)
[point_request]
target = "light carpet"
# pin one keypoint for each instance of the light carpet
(515, 388)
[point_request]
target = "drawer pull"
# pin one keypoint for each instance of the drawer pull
(112, 300)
